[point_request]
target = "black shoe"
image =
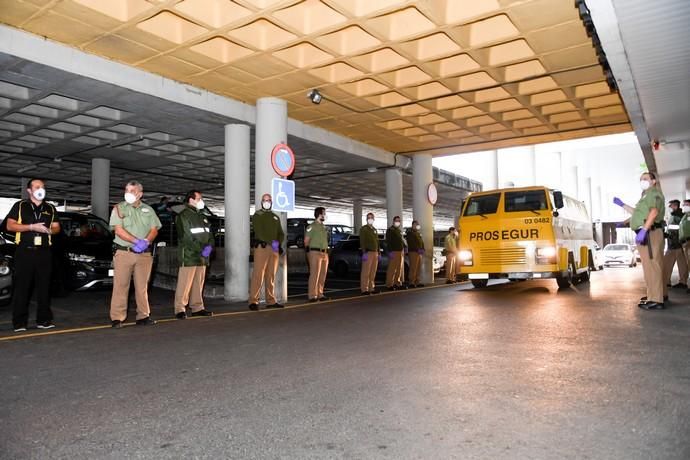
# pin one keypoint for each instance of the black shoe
(365, 293)
(145, 321)
(253, 307)
(116, 323)
(181, 315)
(450, 282)
(314, 300)
(391, 288)
(402, 287)
(375, 292)
(323, 298)
(652, 306)
(419, 285)
(202, 313)
(19, 328)
(45, 325)
(680, 286)
(275, 305)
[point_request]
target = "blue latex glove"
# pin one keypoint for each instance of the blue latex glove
(406, 250)
(420, 252)
(365, 256)
(275, 245)
(641, 236)
(618, 202)
(206, 251)
(140, 246)
(380, 258)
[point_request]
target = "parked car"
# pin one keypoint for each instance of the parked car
(619, 255)
(5, 278)
(82, 252)
(598, 257)
(297, 227)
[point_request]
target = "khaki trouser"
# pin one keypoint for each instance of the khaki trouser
(264, 272)
(396, 269)
(367, 280)
(415, 264)
(126, 264)
(451, 266)
(318, 268)
(653, 268)
(190, 288)
(670, 258)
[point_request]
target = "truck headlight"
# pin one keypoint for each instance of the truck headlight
(465, 257)
(4, 268)
(80, 257)
(546, 255)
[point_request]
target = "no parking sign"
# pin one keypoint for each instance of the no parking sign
(283, 160)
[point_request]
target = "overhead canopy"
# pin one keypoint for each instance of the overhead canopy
(443, 76)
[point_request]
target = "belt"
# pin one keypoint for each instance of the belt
(318, 250)
(263, 244)
(128, 249)
(34, 247)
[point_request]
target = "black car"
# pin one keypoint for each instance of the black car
(346, 258)
(82, 252)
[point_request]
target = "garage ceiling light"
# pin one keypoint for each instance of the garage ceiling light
(315, 96)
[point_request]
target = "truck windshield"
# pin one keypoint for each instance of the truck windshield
(526, 200)
(482, 205)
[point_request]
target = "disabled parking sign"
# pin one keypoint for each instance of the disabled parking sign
(283, 193)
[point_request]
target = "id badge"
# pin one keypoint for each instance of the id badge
(38, 241)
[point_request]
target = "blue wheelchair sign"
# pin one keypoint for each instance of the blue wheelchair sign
(283, 193)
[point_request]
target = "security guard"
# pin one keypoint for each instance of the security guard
(647, 221)
(684, 234)
(397, 246)
(194, 247)
(674, 249)
(369, 246)
(34, 221)
(316, 245)
(451, 246)
(136, 226)
(268, 237)
(415, 245)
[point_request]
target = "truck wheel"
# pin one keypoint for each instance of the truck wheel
(479, 284)
(564, 281)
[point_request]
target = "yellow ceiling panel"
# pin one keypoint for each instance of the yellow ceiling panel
(474, 74)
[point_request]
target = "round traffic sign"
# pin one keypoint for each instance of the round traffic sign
(283, 160)
(432, 194)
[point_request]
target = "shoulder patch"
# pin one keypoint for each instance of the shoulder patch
(309, 228)
(145, 210)
(275, 217)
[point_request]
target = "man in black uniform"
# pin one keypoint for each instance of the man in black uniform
(34, 221)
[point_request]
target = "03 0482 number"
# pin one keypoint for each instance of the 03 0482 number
(538, 220)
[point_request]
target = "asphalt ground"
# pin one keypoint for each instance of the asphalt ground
(517, 370)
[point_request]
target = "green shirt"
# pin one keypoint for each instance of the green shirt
(394, 239)
(368, 239)
(267, 227)
(450, 243)
(415, 241)
(318, 235)
(138, 221)
(684, 232)
(652, 198)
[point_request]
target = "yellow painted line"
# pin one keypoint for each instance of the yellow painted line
(230, 313)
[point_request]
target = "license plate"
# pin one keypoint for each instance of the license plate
(478, 276)
(111, 272)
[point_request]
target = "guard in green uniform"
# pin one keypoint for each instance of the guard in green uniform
(194, 247)
(450, 244)
(415, 246)
(674, 249)
(647, 221)
(369, 245)
(684, 235)
(136, 226)
(268, 238)
(316, 245)
(397, 246)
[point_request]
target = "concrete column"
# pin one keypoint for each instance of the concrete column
(100, 187)
(356, 216)
(423, 211)
(587, 197)
(492, 165)
(24, 194)
(394, 194)
(237, 160)
(271, 129)
(597, 212)
(533, 165)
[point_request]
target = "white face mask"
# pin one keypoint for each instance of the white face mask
(200, 205)
(418, 227)
(370, 221)
(686, 209)
(130, 198)
(645, 184)
(396, 224)
(266, 205)
(39, 194)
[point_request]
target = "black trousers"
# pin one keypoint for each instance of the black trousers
(32, 269)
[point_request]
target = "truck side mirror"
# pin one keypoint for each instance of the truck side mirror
(557, 199)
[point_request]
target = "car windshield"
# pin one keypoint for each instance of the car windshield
(483, 204)
(617, 247)
(85, 228)
(526, 200)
